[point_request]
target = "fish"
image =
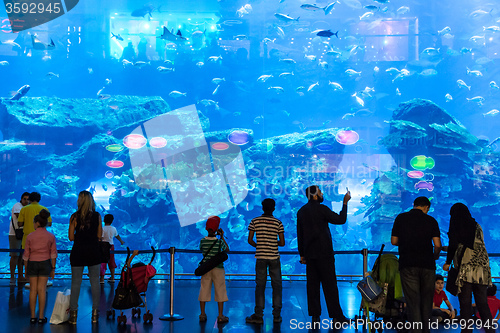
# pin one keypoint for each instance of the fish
(465, 50)
(140, 64)
(492, 28)
(476, 38)
(381, 1)
(288, 61)
(169, 35)
(491, 113)
(448, 36)
(327, 9)
(444, 31)
(403, 10)
(51, 75)
(430, 51)
(348, 116)
(20, 93)
(493, 85)
(286, 74)
(214, 58)
(323, 64)
(483, 61)
(448, 98)
(392, 70)
(39, 45)
(258, 120)
(200, 64)
(230, 23)
(209, 102)
(264, 78)
(474, 73)
(10, 42)
(285, 18)
(298, 89)
(371, 7)
(218, 80)
(278, 90)
(141, 12)
(177, 94)
(163, 69)
(366, 16)
(267, 40)
(117, 37)
(4, 63)
(327, 33)
(104, 187)
(353, 4)
(216, 90)
(126, 63)
(108, 82)
(352, 72)
(240, 37)
(334, 53)
(310, 57)
(312, 86)
(376, 69)
(428, 72)
(398, 93)
(358, 99)
(244, 10)
(461, 84)
(102, 97)
(478, 99)
(91, 71)
(280, 32)
(479, 13)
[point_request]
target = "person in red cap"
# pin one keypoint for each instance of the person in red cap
(210, 246)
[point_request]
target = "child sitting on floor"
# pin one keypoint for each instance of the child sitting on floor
(438, 312)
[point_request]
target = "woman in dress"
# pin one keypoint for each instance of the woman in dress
(468, 252)
(85, 230)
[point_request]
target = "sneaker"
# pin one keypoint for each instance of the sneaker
(49, 283)
(254, 319)
(277, 319)
(111, 280)
(222, 319)
(27, 286)
(203, 318)
(12, 282)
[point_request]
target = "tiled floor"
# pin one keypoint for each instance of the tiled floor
(15, 314)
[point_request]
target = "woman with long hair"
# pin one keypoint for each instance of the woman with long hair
(467, 251)
(85, 230)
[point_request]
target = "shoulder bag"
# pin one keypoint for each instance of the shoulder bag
(208, 265)
(19, 231)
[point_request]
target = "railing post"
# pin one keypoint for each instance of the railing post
(365, 261)
(171, 316)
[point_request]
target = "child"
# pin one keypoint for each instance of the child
(439, 297)
(39, 257)
(108, 232)
(493, 303)
(216, 275)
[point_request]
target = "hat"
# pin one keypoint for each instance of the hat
(213, 223)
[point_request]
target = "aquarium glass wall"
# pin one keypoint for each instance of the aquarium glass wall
(170, 112)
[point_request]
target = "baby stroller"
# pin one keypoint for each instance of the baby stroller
(131, 288)
(389, 305)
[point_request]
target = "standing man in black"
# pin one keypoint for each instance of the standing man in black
(316, 251)
(414, 232)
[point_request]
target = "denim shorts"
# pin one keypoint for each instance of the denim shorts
(39, 268)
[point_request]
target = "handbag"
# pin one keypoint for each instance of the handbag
(126, 294)
(60, 314)
(206, 266)
(451, 280)
(369, 289)
(105, 247)
(19, 231)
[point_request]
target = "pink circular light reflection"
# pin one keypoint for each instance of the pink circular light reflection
(134, 141)
(115, 164)
(158, 142)
(347, 138)
(220, 146)
(415, 174)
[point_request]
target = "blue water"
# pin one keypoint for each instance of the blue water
(297, 99)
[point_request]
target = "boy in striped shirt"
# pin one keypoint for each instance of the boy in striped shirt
(267, 229)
